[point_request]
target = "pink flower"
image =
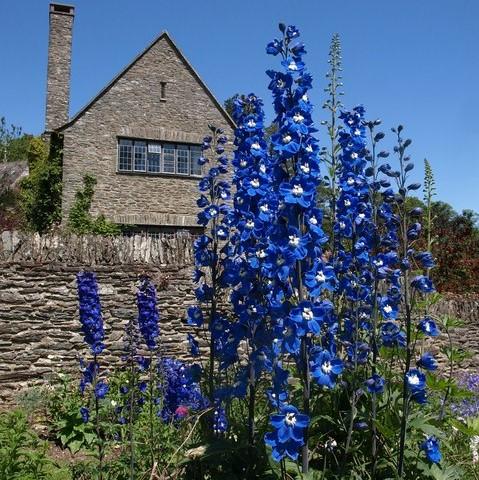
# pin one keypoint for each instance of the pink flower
(181, 411)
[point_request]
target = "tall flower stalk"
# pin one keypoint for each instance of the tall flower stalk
(148, 323)
(92, 327)
(295, 253)
(254, 211)
(211, 249)
(333, 104)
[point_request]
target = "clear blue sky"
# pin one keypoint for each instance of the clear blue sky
(413, 62)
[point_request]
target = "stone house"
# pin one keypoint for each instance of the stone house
(139, 136)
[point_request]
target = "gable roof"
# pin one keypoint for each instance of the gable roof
(164, 35)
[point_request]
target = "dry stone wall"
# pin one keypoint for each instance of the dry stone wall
(39, 327)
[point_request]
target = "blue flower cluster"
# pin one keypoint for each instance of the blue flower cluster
(284, 272)
(180, 394)
(90, 311)
(147, 312)
(468, 407)
(92, 327)
(210, 252)
(430, 447)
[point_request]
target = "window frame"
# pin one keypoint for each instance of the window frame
(175, 146)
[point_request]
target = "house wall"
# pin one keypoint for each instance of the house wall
(132, 108)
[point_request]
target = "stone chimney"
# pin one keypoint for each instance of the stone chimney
(59, 65)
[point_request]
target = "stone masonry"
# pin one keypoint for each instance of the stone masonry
(39, 327)
(131, 106)
(59, 66)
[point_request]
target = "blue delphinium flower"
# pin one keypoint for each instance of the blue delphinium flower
(423, 284)
(430, 447)
(325, 368)
(288, 434)
(427, 362)
(416, 383)
(90, 311)
(101, 389)
(147, 312)
(220, 421)
(429, 327)
(85, 414)
(178, 388)
(375, 384)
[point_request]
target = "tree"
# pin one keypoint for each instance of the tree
(14, 143)
(41, 191)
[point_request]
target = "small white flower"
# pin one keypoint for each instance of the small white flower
(290, 419)
(320, 277)
(294, 240)
(298, 118)
(297, 190)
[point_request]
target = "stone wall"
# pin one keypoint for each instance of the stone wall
(39, 327)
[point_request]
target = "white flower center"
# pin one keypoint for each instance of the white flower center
(255, 183)
(213, 212)
(313, 220)
(413, 379)
(350, 181)
(264, 208)
(387, 309)
(297, 190)
(261, 253)
(357, 132)
(307, 314)
(292, 66)
(309, 148)
(262, 168)
(251, 123)
(354, 155)
(294, 240)
(280, 83)
(290, 419)
(287, 139)
(298, 118)
(256, 146)
(243, 163)
(320, 277)
(305, 98)
(342, 225)
(305, 168)
(347, 203)
(250, 224)
(326, 367)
